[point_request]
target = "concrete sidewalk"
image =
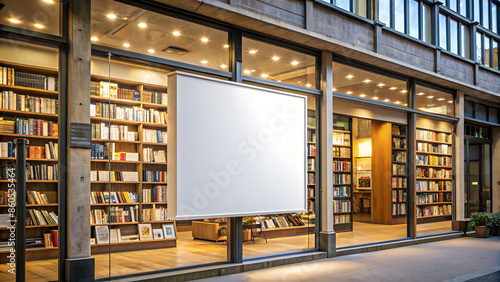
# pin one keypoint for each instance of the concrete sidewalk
(457, 260)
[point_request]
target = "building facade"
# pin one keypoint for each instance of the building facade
(401, 129)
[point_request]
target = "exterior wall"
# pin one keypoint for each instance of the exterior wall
(406, 50)
(456, 68)
(291, 13)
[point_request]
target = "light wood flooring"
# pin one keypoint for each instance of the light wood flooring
(194, 252)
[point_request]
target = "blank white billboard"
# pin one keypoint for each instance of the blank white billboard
(234, 149)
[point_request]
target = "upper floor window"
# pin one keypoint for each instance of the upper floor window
(487, 50)
(486, 13)
(359, 7)
(454, 36)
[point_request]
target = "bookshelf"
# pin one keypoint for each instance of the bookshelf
(135, 117)
(342, 173)
(311, 161)
(399, 176)
(29, 109)
(434, 192)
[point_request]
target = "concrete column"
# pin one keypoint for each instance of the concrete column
(327, 234)
(79, 264)
(309, 21)
(459, 157)
(495, 175)
(377, 33)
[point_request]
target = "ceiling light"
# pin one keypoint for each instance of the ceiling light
(430, 97)
(393, 88)
(349, 92)
(253, 51)
(246, 71)
(223, 66)
(264, 75)
(204, 62)
(252, 70)
(94, 38)
(39, 26)
(275, 58)
(380, 84)
(151, 51)
(111, 16)
(176, 33)
(49, 1)
(294, 63)
(375, 98)
(308, 85)
(349, 76)
(397, 102)
(204, 39)
(225, 46)
(15, 21)
(406, 105)
(386, 100)
(441, 99)
(142, 25)
(420, 93)
(403, 91)
(125, 18)
(367, 80)
(450, 101)
(278, 80)
(126, 45)
(422, 109)
(299, 82)
(334, 89)
(362, 95)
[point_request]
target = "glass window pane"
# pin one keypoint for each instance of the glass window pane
(465, 32)
(271, 62)
(414, 18)
(360, 7)
(476, 10)
(399, 20)
(369, 85)
(481, 111)
(494, 18)
(469, 109)
(453, 36)
(35, 15)
(344, 4)
(433, 101)
(443, 40)
(463, 8)
(487, 51)
(493, 115)
(427, 26)
(149, 33)
(384, 11)
(486, 15)
(479, 48)
(494, 50)
(452, 4)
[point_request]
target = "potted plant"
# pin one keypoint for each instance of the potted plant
(495, 224)
(481, 222)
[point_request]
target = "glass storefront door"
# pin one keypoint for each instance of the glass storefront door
(477, 177)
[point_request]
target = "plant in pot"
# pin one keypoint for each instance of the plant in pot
(481, 222)
(495, 224)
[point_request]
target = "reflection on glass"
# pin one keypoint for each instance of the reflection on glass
(454, 36)
(399, 19)
(477, 13)
(279, 64)
(486, 15)
(133, 29)
(463, 8)
(487, 51)
(464, 31)
(452, 4)
(369, 85)
(442, 32)
(413, 18)
(427, 26)
(360, 8)
(434, 101)
(384, 9)
(494, 18)
(479, 48)
(34, 15)
(494, 50)
(344, 4)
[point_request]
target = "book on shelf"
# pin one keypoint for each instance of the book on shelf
(399, 143)
(9, 100)
(341, 178)
(5, 220)
(114, 132)
(155, 97)
(341, 152)
(55, 237)
(102, 234)
(311, 150)
(310, 205)
(311, 136)
(105, 175)
(98, 216)
(145, 231)
(154, 176)
(281, 221)
(32, 243)
(427, 198)
(47, 240)
(433, 160)
(342, 166)
(398, 182)
(398, 169)
(311, 119)
(9, 76)
(311, 178)
(429, 135)
(343, 205)
(7, 150)
(155, 194)
(120, 197)
(107, 152)
(433, 148)
(123, 214)
(8, 171)
(342, 218)
(434, 210)
(399, 156)
(111, 90)
(311, 164)
(151, 156)
(422, 185)
(37, 198)
(30, 126)
(433, 172)
(49, 151)
(154, 213)
(154, 136)
(115, 111)
(341, 191)
(42, 172)
(115, 235)
(399, 209)
(341, 138)
(398, 130)
(40, 217)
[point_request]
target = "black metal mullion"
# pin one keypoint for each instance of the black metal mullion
(448, 34)
(392, 11)
(407, 16)
(421, 20)
(467, 178)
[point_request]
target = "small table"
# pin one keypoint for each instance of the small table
(253, 226)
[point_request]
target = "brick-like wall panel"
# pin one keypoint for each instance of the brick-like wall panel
(456, 68)
(407, 51)
(342, 28)
(489, 80)
(289, 11)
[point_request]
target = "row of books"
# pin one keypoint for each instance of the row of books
(155, 97)
(98, 216)
(105, 235)
(154, 214)
(398, 209)
(9, 100)
(433, 185)
(341, 138)
(342, 218)
(40, 217)
(154, 136)
(311, 164)
(341, 178)
(104, 175)
(281, 221)
(123, 214)
(341, 152)
(433, 148)
(341, 206)
(9, 76)
(434, 210)
(311, 178)
(155, 194)
(310, 205)
(398, 182)
(106, 197)
(398, 169)
(42, 172)
(433, 160)
(398, 196)
(433, 172)
(128, 113)
(111, 90)
(311, 150)
(114, 132)
(399, 156)
(37, 198)
(151, 156)
(49, 151)
(311, 136)
(342, 166)
(341, 191)
(8, 171)
(49, 240)
(310, 192)
(398, 143)
(7, 150)
(38, 127)
(154, 176)
(398, 130)
(429, 135)
(428, 198)
(107, 152)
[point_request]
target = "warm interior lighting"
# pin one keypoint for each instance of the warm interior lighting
(380, 84)
(334, 89)
(176, 33)
(397, 102)
(420, 93)
(39, 26)
(204, 39)
(253, 51)
(225, 45)
(362, 95)
(246, 71)
(294, 63)
(365, 148)
(367, 80)
(430, 97)
(49, 1)
(406, 105)
(15, 21)
(94, 38)
(111, 16)
(264, 75)
(126, 45)
(450, 101)
(223, 66)
(393, 88)
(252, 70)
(204, 62)
(275, 58)
(151, 51)
(308, 85)
(142, 25)
(349, 92)
(441, 99)
(403, 91)
(375, 98)
(387, 100)
(349, 76)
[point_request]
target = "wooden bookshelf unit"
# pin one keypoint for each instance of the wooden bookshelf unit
(399, 174)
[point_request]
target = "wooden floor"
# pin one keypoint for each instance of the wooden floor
(194, 252)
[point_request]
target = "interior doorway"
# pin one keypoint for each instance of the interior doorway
(477, 177)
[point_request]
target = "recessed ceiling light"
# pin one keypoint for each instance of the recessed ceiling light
(393, 88)
(397, 102)
(349, 76)
(403, 91)
(126, 45)
(225, 45)
(278, 80)
(349, 92)
(223, 66)
(246, 71)
(430, 97)
(450, 101)
(441, 99)
(362, 95)
(142, 25)
(275, 58)
(334, 89)
(204, 62)
(264, 75)
(294, 63)
(204, 39)
(93, 38)
(375, 98)
(151, 51)
(125, 18)
(299, 82)
(420, 93)
(367, 80)
(380, 84)
(39, 26)
(49, 1)
(15, 21)
(422, 109)
(308, 85)
(386, 100)
(252, 70)
(253, 51)
(406, 105)
(111, 16)
(176, 33)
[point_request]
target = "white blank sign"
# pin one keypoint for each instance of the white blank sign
(234, 149)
